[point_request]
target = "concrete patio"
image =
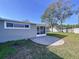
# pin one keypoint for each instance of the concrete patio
(48, 40)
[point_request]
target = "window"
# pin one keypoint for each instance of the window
(40, 30)
(10, 25)
(26, 26)
(19, 25)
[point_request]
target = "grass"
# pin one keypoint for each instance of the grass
(31, 50)
(70, 50)
(28, 49)
(6, 49)
(60, 35)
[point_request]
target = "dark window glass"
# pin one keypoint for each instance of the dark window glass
(42, 29)
(9, 24)
(16, 25)
(19, 25)
(38, 30)
(26, 26)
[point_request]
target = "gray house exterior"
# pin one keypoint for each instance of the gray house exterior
(15, 30)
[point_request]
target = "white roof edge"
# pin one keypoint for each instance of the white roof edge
(24, 21)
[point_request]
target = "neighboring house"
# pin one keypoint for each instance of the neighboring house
(56, 28)
(71, 30)
(14, 30)
(74, 30)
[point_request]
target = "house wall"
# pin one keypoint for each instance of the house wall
(76, 30)
(72, 30)
(55, 29)
(15, 34)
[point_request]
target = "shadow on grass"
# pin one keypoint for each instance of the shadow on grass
(31, 50)
(59, 35)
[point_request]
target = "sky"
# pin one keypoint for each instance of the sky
(31, 10)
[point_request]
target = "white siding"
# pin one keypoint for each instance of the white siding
(76, 30)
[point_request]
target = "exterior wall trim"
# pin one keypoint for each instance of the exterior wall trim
(40, 35)
(5, 27)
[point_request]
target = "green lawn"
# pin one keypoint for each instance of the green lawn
(6, 49)
(70, 50)
(30, 50)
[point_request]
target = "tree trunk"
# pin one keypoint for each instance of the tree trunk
(52, 28)
(61, 26)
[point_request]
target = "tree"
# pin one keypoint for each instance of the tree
(77, 13)
(57, 12)
(48, 16)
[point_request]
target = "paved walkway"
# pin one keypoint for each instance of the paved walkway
(48, 40)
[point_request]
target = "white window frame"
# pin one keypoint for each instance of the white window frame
(5, 25)
(38, 35)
